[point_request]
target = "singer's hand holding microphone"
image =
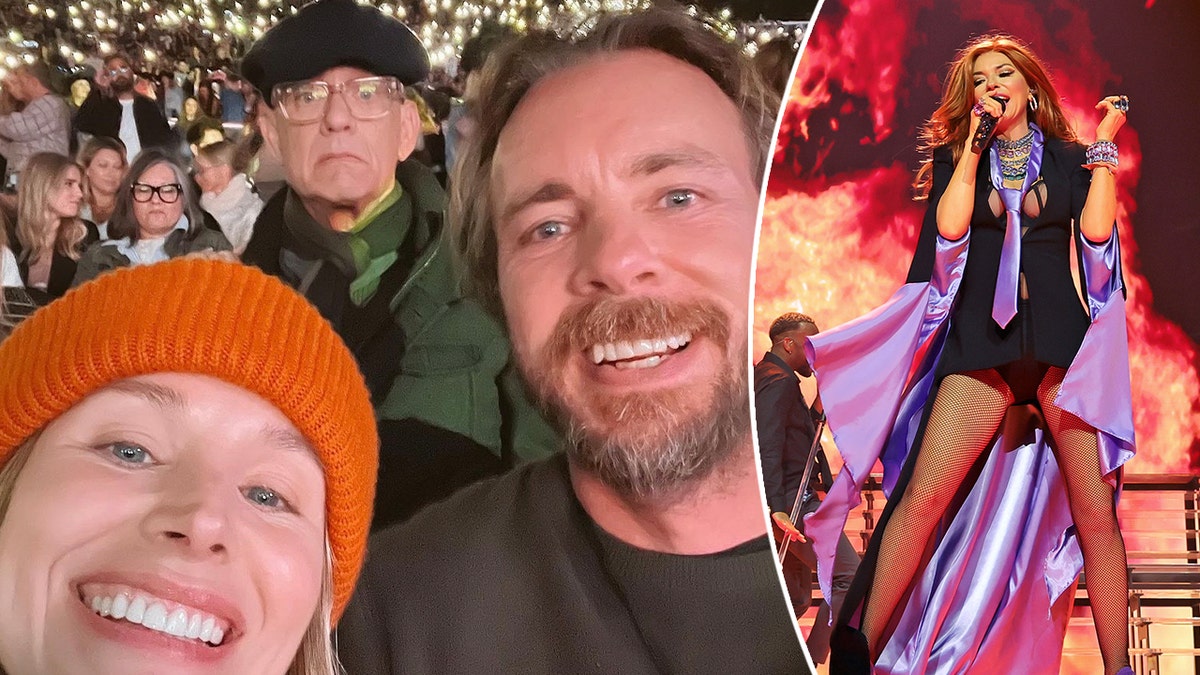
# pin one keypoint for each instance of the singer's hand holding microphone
(986, 114)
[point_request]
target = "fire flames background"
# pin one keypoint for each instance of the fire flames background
(839, 225)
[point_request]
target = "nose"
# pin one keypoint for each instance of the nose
(616, 257)
(337, 112)
(191, 517)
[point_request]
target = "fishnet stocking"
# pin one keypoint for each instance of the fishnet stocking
(1092, 509)
(966, 413)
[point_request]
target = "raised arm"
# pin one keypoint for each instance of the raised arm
(1100, 208)
(957, 202)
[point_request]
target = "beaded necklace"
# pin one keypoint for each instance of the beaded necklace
(1014, 156)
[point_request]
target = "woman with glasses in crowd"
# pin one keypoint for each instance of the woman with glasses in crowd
(104, 164)
(157, 217)
(51, 236)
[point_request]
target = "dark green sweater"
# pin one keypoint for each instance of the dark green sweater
(512, 576)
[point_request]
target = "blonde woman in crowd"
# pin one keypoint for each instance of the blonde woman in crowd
(51, 237)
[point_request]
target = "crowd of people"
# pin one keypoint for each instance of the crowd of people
(199, 123)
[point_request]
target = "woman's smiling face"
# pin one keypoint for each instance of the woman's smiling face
(165, 518)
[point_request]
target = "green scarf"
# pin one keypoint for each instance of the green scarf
(368, 249)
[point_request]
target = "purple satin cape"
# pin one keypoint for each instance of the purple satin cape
(994, 595)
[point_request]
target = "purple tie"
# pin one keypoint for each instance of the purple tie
(1004, 302)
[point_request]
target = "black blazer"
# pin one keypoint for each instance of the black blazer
(1054, 320)
(785, 433)
(101, 116)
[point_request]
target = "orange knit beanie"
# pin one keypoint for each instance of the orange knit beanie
(214, 318)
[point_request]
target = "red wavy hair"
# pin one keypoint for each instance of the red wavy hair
(951, 122)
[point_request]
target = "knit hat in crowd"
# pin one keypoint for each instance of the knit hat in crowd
(214, 318)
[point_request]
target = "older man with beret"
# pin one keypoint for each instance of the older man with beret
(358, 231)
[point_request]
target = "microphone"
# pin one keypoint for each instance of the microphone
(987, 127)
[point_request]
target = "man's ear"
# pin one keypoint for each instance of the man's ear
(410, 131)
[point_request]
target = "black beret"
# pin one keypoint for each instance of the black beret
(330, 33)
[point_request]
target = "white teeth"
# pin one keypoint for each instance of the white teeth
(120, 606)
(152, 614)
(156, 617)
(177, 623)
(137, 610)
(637, 349)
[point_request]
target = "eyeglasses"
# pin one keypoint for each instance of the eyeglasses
(119, 71)
(169, 193)
(366, 97)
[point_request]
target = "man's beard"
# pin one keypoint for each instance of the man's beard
(645, 446)
(122, 85)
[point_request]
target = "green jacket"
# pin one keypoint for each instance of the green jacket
(457, 370)
(443, 364)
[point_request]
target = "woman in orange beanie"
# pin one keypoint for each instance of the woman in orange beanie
(187, 466)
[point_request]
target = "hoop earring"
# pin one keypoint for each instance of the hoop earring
(1033, 104)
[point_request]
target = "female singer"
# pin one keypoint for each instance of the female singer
(1008, 187)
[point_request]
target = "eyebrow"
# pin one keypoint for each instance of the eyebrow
(171, 400)
(164, 398)
(652, 163)
(290, 439)
(643, 165)
(546, 193)
(996, 67)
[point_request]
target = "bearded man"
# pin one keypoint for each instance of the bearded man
(606, 209)
(115, 110)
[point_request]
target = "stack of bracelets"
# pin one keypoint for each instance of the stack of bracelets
(1102, 152)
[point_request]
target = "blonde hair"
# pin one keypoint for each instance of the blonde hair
(315, 656)
(36, 231)
(951, 122)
